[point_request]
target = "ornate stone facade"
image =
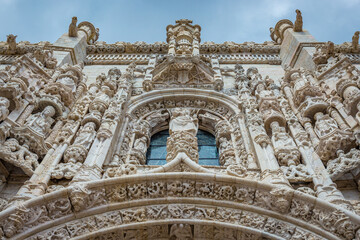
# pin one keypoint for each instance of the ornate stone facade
(78, 116)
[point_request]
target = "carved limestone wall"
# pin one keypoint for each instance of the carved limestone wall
(78, 118)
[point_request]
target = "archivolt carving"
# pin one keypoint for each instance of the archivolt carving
(332, 221)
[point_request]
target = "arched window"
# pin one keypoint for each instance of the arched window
(208, 152)
(156, 153)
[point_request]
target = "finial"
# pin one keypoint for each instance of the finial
(355, 42)
(298, 22)
(73, 27)
(11, 41)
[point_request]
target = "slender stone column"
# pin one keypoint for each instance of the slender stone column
(270, 169)
(247, 143)
(324, 186)
(335, 115)
(310, 130)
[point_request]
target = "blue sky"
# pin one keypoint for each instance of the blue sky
(146, 20)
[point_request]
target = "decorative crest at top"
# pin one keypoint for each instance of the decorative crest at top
(183, 38)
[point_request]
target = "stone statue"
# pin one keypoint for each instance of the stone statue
(41, 122)
(280, 138)
(180, 232)
(141, 144)
(11, 41)
(324, 124)
(182, 120)
(86, 135)
(285, 148)
(355, 41)
(73, 27)
(4, 108)
(298, 22)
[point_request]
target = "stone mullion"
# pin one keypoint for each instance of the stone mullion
(182, 141)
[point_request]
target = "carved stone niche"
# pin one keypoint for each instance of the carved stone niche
(332, 139)
(38, 126)
(302, 88)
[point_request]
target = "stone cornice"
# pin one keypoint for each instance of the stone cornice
(31, 48)
(339, 48)
(161, 48)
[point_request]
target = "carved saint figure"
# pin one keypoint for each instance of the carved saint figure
(280, 138)
(41, 122)
(298, 22)
(182, 120)
(324, 124)
(73, 27)
(355, 41)
(86, 135)
(4, 108)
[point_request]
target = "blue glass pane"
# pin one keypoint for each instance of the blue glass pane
(156, 152)
(207, 139)
(156, 162)
(159, 139)
(209, 161)
(208, 152)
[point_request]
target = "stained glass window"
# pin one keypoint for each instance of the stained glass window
(156, 153)
(208, 152)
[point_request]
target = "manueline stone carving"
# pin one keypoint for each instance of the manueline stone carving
(4, 108)
(41, 122)
(12, 152)
(73, 146)
(343, 163)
